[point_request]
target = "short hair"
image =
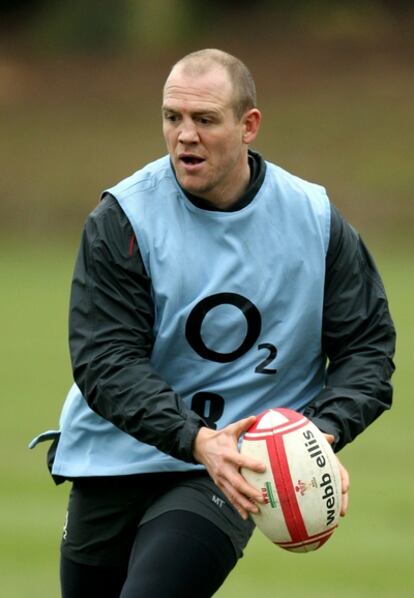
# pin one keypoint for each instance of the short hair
(244, 88)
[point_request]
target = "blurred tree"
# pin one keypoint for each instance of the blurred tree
(19, 8)
(108, 25)
(159, 23)
(13, 13)
(80, 25)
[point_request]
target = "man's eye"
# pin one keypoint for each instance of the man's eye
(171, 117)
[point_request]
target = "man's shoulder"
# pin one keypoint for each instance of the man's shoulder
(293, 182)
(147, 177)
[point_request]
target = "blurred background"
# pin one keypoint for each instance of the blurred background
(80, 92)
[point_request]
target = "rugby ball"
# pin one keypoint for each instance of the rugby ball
(301, 486)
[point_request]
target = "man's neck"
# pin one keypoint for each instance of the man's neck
(225, 198)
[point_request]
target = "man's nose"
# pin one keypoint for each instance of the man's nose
(188, 132)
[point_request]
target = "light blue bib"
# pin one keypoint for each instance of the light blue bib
(238, 311)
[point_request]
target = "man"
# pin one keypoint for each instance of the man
(209, 286)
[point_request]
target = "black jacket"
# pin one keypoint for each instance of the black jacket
(111, 320)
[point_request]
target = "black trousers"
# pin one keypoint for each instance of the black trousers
(176, 555)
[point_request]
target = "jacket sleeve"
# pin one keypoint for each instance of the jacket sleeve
(110, 337)
(358, 339)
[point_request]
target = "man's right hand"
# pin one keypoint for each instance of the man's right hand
(218, 451)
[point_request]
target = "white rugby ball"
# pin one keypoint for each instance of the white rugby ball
(302, 483)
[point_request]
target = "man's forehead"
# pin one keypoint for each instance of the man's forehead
(211, 83)
(194, 99)
(199, 69)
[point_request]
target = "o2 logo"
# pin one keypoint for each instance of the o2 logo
(208, 405)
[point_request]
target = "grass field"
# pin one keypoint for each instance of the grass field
(369, 555)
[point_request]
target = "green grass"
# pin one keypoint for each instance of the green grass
(369, 555)
(35, 376)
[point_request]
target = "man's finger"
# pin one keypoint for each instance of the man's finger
(345, 489)
(344, 480)
(246, 462)
(242, 425)
(239, 500)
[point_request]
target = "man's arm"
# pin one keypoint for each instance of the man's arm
(110, 329)
(358, 338)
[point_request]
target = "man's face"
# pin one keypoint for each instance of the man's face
(204, 138)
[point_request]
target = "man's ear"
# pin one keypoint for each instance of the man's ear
(251, 124)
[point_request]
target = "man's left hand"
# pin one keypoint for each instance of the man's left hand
(344, 481)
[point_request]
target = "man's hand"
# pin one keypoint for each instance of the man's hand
(344, 481)
(218, 451)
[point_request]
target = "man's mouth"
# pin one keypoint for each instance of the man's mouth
(190, 160)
